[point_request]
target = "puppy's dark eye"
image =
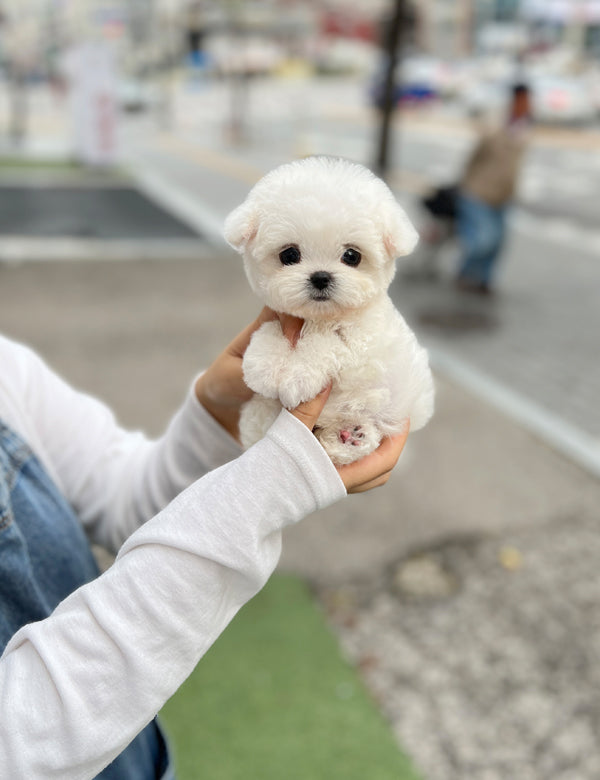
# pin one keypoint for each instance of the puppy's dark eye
(290, 256)
(351, 257)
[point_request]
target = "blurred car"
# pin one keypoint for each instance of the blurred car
(247, 55)
(555, 99)
(422, 79)
(135, 95)
(562, 99)
(486, 98)
(343, 56)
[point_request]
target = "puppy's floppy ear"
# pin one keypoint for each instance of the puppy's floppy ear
(241, 226)
(399, 235)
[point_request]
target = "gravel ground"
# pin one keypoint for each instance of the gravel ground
(484, 653)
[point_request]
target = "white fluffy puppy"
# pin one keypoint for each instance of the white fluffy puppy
(319, 238)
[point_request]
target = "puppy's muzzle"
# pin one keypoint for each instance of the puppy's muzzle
(320, 280)
(321, 285)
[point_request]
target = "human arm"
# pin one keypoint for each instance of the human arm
(114, 479)
(76, 687)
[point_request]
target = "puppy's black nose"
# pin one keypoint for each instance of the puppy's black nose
(320, 279)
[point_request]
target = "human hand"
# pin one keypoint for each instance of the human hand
(222, 391)
(369, 472)
(374, 470)
(221, 388)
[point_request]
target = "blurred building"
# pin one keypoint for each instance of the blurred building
(330, 34)
(572, 23)
(459, 28)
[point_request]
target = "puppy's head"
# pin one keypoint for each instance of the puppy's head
(319, 237)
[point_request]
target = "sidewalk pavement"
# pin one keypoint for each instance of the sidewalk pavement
(467, 590)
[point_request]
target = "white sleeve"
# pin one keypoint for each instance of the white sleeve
(114, 479)
(76, 688)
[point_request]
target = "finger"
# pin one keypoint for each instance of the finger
(223, 378)
(291, 327)
(239, 345)
(374, 483)
(309, 411)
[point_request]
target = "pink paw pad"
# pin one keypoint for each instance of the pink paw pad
(353, 437)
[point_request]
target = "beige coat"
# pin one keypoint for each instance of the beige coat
(492, 170)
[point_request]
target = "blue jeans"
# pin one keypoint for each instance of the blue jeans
(44, 556)
(481, 230)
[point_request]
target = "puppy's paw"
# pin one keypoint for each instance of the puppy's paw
(349, 442)
(298, 384)
(264, 359)
(352, 437)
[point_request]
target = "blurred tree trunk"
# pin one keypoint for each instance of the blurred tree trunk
(392, 47)
(17, 87)
(238, 77)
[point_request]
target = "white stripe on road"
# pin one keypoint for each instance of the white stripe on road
(574, 444)
(557, 230)
(180, 203)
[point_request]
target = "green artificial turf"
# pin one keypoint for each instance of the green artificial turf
(35, 165)
(22, 163)
(274, 700)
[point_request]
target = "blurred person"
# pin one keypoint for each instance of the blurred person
(20, 50)
(196, 33)
(89, 73)
(90, 658)
(485, 192)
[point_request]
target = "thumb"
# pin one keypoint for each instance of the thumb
(309, 411)
(291, 327)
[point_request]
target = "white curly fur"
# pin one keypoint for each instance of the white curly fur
(352, 334)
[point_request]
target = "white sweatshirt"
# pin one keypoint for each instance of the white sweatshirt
(77, 687)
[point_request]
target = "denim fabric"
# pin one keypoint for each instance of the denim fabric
(44, 556)
(481, 230)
